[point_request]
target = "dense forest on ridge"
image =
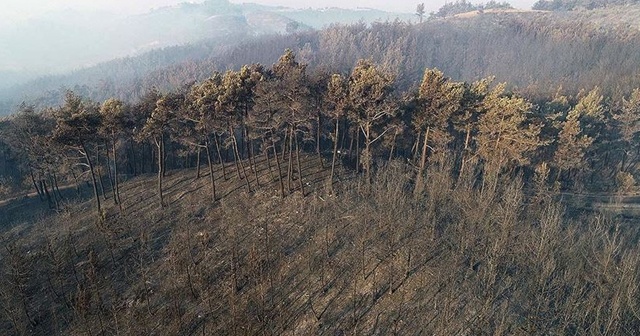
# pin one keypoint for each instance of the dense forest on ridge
(458, 176)
(572, 51)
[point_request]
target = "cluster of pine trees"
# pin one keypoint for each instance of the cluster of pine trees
(578, 142)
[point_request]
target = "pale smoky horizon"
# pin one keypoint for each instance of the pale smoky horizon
(20, 10)
(39, 37)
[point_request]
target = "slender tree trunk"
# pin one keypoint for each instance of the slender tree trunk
(56, 203)
(357, 150)
(393, 146)
(267, 157)
(198, 162)
(252, 159)
(224, 171)
(290, 169)
(353, 139)
(335, 151)
(160, 145)
(75, 178)
(115, 174)
(239, 160)
(43, 184)
(111, 183)
(56, 186)
(275, 152)
(93, 178)
(212, 177)
(318, 137)
(284, 145)
(423, 161)
(236, 155)
(100, 175)
(35, 185)
(416, 147)
(367, 159)
(464, 151)
(133, 164)
(300, 182)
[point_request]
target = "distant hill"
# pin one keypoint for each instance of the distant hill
(536, 51)
(568, 5)
(68, 40)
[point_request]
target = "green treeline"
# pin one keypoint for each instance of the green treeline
(582, 142)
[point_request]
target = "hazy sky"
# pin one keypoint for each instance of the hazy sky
(18, 10)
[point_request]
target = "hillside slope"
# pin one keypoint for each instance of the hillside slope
(362, 259)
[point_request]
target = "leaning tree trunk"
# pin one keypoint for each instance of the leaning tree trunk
(335, 151)
(265, 150)
(318, 137)
(56, 202)
(300, 183)
(100, 179)
(115, 174)
(239, 160)
(43, 183)
(393, 146)
(35, 185)
(198, 162)
(290, 166)
(93, 178)
(366, 159)
(212, 177)
(224, 171)
(253, 166)
(75, 178)
(275, 152)
(56, 186)
(464, 151)
(160, 145)
(111, 183)
(423, 162)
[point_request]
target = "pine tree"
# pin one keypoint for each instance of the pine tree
(628, 120)
(77, 125)
(438, 99)
(506, 136)
(158, 128)
(371, 105)
(113, 124)
(336, 102)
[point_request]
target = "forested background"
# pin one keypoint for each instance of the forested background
(536, 52)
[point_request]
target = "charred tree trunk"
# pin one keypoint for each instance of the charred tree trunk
(111, 183)
(300, 182)
(35, 185)
(198, 162)
(100, 175)
(423, 162)
(290, 166)
(224, 171)
(212, 177)
(275, 153)
(335, 151)
(239, 160)
(160, 145)
(115, 175)
(93, 178)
